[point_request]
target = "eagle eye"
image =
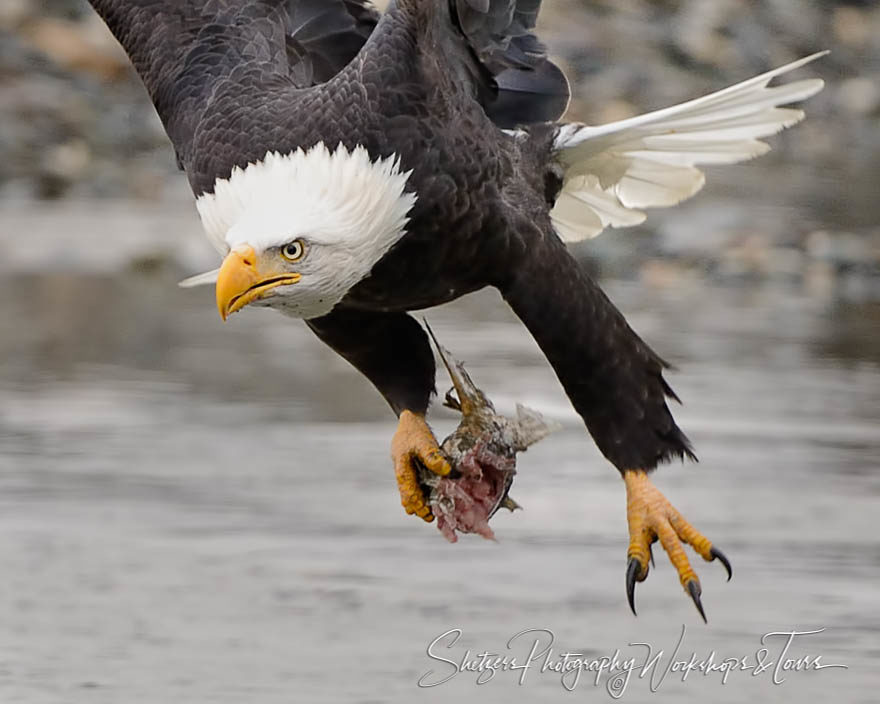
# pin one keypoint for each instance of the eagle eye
(293, 251)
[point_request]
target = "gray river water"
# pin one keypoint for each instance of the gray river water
(199, 512)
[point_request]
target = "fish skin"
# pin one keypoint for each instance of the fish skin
(482, 451)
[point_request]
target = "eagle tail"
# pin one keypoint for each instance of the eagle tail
(613, 171)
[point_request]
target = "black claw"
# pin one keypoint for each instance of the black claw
(632, 572)
(651, 555)
(715, 552)
(693, 588)
(451, 402)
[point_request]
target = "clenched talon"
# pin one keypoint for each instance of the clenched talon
(651, 517)
(413, 441)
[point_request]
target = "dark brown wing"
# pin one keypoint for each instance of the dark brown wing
(325, 35)
(185, 50)
(516, 82)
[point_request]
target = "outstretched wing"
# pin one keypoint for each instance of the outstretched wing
(184, 50)
(614, 171)
(515, 81)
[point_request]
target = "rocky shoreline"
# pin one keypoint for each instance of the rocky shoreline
(75, 124)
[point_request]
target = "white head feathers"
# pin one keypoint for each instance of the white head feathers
(348, 209)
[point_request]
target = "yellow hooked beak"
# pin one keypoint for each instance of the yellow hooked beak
(243, 279)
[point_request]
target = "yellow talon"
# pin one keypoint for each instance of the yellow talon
(414, 440)
(651, 517)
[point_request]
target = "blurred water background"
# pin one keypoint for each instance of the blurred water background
(199, 512)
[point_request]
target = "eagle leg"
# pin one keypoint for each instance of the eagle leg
(414, 442)
(392, 351)
(615, 382)
(651, 517)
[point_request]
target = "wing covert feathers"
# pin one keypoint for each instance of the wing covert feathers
(613, 171)
(325, 35)
(516, 81)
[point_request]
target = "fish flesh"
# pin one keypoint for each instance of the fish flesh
(482, 451)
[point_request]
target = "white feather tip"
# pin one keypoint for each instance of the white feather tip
(205, 279)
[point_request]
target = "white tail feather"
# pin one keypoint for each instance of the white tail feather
(614, 170)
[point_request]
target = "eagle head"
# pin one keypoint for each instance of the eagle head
(299, 230)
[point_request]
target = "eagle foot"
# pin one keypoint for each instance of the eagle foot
(413, 443)
(651, 517)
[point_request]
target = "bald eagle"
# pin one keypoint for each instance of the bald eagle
(352, 167)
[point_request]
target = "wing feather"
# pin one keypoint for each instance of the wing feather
(514, 80)
(184, 49)
(325, 35)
